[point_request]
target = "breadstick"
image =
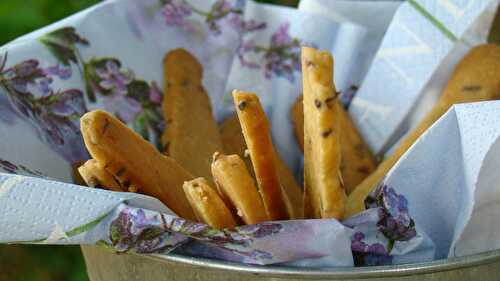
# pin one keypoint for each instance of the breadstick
(95, 176)
(322, 153)
(237, 187)
(297, 115)
(135, 162)
(191, 135)
(207, 204)
(475, 78)
(255, 128)
(357, 161)
(234, 143)
(233, 140)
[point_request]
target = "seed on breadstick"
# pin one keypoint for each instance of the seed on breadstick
(322, 154)
(236, 187)
(207, 204)
(134, 161)
(357, 161)
(475, 78)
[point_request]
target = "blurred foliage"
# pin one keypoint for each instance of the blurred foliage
(35, 262)
(18, 17)
(41, 263)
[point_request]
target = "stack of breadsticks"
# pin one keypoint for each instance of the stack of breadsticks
(231, 174)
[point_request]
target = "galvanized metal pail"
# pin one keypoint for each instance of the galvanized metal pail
(106, 266)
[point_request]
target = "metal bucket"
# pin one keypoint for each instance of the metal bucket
(105, 266)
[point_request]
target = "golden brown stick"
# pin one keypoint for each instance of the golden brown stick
(255, 128)
(95, 176)
(233, 140)
(234, 143)
(357, 161)
(207, 205)
(237, 187)
(192, 135)
(297, 115)
(475, 78)
(75, 174)
(322, 153)
(135, 162)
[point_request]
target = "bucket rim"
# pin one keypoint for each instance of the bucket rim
(335, 272)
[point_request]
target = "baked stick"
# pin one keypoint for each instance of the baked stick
(357, 161)
(134, 161)
(234, 143)
(297, 116)
(255, 128)
(237, 188)
(192, 135)
(322, 154)
(475, 78)
(95, 176)
(207, 204)
(233, 140)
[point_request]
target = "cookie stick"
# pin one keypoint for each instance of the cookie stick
(191, 136)
(95, 176)
(135, 162)
(297, 116)
(475, 78)
(233, 140)
(255, 128)
(322, 154)
(357, 161)
(234, 143)
(236, 186)
(207, 204)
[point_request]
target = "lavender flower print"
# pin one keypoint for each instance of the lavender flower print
(113, 79)
(130, 99)
(12, 168)
(175, 14)
(178, 13)
(395, 221)
(132, 230)
(280, 58)
(55, 114)
(368, 254)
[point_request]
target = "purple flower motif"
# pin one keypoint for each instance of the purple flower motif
(283, 55)
(114, 79)
(60, 71)
(245, 47)
(175, 14)
(281, 58)
(281, 38)
(54, 114)
(125, 108)
(42, 85)
(219, 10)
(8, 166)
(260, 230)
(133, 230)
(395, 221)
(246, 26)
(366, 254)
(155, 94)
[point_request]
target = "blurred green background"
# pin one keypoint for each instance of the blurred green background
(44, 263)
